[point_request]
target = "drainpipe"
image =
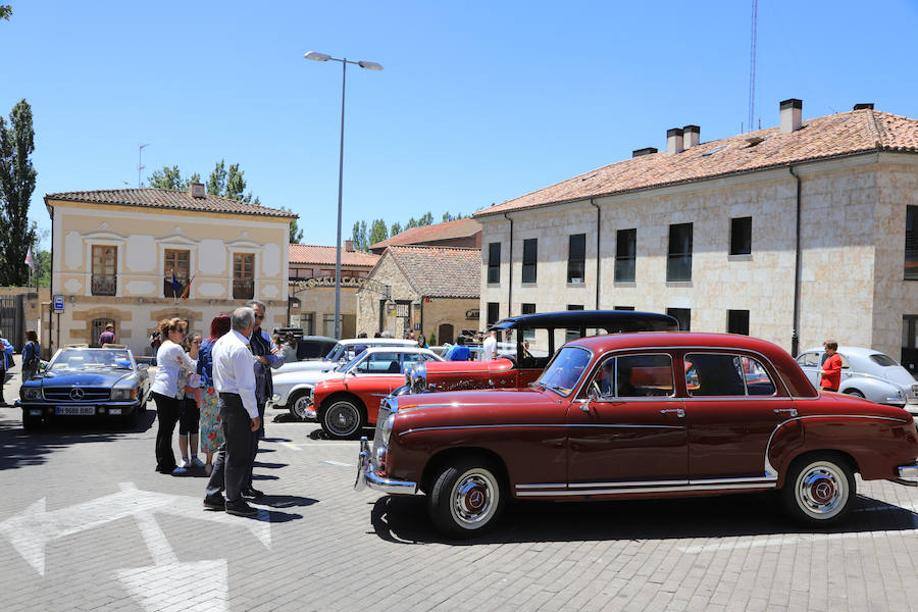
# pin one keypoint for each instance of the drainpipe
(795, 335)
(510, 274)
(598, 234)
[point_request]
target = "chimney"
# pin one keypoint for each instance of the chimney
(791, 115)
(864, 106)
(674, 140)
(644, 151)
(691, 136)
(197, 191)
(349, 246)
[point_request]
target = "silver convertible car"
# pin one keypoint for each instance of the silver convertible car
(869, 374)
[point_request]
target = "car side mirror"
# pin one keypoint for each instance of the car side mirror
(42, 366)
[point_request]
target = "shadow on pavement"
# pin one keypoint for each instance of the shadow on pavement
(404, 520)
(285, 501)
(275, 516)
(318, 434)
(19, 448)
(265, 464)
(265, 477)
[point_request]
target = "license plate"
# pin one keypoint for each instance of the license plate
(75, 410)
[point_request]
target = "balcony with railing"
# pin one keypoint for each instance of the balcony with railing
(104, 284)
(243, 288)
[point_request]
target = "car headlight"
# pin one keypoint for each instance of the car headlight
(416, 378)
(121, 395)
(386, 428)
(33, 393)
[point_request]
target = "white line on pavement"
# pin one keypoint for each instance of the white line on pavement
(292, 446)
(765, 541)
(342, 464)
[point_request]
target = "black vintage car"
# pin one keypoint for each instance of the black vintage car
(85, 383)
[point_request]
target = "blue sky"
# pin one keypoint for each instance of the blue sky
(479, 101)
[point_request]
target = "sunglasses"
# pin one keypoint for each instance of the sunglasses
(258, 316)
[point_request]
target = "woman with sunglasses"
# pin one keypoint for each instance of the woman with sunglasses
(171, 361)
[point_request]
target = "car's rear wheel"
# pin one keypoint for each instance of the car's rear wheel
(299, 403)
(819, 489)
(854, 393)
(467, 497)
(343, 418)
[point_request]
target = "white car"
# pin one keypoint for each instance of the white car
(342, 352)
(293, 389)
(867, 373)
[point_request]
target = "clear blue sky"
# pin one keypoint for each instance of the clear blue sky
(479, 101)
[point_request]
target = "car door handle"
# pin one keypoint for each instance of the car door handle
(789, 411)
(679, 412)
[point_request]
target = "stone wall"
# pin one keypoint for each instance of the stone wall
(386, 272)
(451, 311)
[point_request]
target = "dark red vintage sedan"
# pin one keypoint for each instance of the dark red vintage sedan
(636, 416)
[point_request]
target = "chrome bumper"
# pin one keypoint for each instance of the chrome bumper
(908, 473)
(367, 476)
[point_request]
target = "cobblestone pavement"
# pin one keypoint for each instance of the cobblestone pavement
(85, 523)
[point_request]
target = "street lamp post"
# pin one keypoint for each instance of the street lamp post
(324, 57)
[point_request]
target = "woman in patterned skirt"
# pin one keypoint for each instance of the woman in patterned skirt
(211, 424)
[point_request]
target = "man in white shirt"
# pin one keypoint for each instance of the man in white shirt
(489, 347)
(234, 381)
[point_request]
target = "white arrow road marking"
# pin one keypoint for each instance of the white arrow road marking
(203, 585)
(341, 463)
(292, 446)
(30, 531)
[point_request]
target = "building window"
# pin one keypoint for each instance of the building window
(493, 263)
(623, 307)
(308, 323)
(243, 276)
(528, 334)
(738, 322)
(741, 236)
(683, 316)
(625, 255)
(911, 243)
(104, 270)
(176, 269)
(679, 260)
(573, 333)
(328, 325)
(530, 255)
(493, 313)
(576, 258)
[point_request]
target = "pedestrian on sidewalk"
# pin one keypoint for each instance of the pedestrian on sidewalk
(830, 378)
(489, 347)
(171, 359)
(267, 357)
(31, 356)
(6, 364)
(234, 379)
(211, 427)
(190, 412)
(108, 335)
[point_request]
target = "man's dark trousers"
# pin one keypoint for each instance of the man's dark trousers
(232, 466)
(255, 438)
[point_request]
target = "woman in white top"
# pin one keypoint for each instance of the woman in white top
(171, 359)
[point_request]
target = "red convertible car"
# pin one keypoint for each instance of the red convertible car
(636, 416)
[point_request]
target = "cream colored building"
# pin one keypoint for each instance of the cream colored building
(418, 288)
(114, 254)
(796, 234)
(312, 287)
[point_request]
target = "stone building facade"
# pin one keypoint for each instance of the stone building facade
(428, 289)
(709, 233)
(312, 287)
(115, 254)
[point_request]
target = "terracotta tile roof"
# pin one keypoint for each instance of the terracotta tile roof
(460, 228)
(168, 199)
(820, 138)
(325, 255)
(439, 271)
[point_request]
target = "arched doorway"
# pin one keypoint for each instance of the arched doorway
(445, 333)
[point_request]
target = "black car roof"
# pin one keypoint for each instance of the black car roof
(612, 321)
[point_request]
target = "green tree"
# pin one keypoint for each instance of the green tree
(359, 236)
(378, 231)
(42, 274)
(171, 178)
(6, 11)
(216, 182)
(235, 183)
(395, 229)
(296, 234)
(17, 182)
(426, 219)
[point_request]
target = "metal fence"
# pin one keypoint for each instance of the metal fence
(12, 315)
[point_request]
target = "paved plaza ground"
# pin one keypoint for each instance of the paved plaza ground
(85, 523)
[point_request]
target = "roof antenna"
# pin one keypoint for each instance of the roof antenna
(752, 53)
(140, 166)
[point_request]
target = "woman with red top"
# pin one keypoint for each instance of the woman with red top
(831, 368)
(211, 426)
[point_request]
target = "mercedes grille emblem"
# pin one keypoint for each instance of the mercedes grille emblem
(76, 394)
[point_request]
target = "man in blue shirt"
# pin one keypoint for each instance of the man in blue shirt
(459, 351)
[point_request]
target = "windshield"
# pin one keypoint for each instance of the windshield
(347, 365)
(882, 360)
(565, 370)
(75, 359)
(336, 353)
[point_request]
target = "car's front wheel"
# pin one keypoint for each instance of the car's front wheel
(298, 404)
(467, 497)
(819, 489)
(343, 418)
(31, 423)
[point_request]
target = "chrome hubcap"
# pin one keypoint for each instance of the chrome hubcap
(301, 405)
(342, 419)
(822, 490)
(475, 497)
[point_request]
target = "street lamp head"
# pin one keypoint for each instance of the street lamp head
(316, 56)
(369, 65)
